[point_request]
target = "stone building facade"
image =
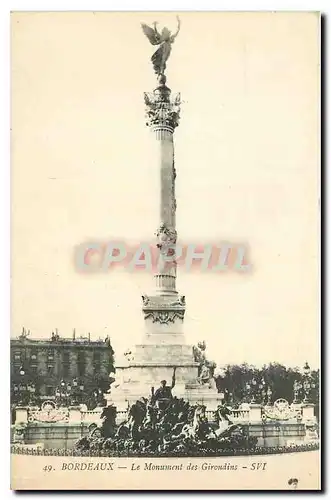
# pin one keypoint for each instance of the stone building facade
(58, 366)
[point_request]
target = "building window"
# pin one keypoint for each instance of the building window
(81, 363)
(81, 357)
(34, 370)
(66, 364)
(50, 355)
(17, 356)
(66, 357)
(49, 390)
(33, 356)
(50, 369)
(97, 361)
(81, 370)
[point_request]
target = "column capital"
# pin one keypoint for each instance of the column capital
(162, 109)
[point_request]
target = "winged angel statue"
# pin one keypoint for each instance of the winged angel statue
(164, 39)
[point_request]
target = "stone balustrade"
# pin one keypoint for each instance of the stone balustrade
(90, 415)
(240, 415)
(251, 413)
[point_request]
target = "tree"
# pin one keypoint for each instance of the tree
(240, 383)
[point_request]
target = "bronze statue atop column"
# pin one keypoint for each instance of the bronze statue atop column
(165, 39)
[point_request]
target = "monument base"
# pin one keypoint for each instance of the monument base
(151, 363)
(128, 393)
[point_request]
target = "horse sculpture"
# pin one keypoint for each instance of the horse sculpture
(176, 430)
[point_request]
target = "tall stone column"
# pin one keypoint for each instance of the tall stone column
(164, 310)
(163, 353)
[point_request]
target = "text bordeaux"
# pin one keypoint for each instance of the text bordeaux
(88, 466)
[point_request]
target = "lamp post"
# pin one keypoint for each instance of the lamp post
(226, 395)
(254, 384)
(99, 398)
(63, 393)
(297, 387)
(15, 393)
(261, 390)
(24, 391)
(306, 382)
(68, 394)
(32, 392)
(308, 408)
(306, 369)
(78, 391)
(248, 391)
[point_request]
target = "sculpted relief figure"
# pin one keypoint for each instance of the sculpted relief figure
(199, 352)
(204, 374)
(167, 237)
(145, 300)
(128, 355)
(207, 367)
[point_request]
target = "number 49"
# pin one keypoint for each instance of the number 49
(48, 468)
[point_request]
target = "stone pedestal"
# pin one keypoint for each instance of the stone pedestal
(277, 433)
(296, 407)
(255, 412)
(21, 415)
(152, 363)
(75, 414)
(61, 435)
(308, 411)
(204, 395)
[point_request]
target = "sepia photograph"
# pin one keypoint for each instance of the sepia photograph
(165, 251)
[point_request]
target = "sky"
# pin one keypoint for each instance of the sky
(247, 161)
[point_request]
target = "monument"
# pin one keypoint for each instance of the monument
(164, 355)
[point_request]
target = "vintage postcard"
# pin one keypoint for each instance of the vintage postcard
(165, 251)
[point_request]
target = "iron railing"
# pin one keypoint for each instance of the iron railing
(257, 450)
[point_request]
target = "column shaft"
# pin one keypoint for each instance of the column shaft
(165, 279)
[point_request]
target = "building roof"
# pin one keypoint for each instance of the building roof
(56, 339)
